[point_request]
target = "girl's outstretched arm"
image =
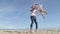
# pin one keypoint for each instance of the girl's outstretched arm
(41, 11)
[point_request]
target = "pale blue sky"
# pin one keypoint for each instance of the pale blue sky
(14, 14)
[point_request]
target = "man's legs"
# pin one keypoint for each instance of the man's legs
(31, 24)
(33, 18)
(36, 24)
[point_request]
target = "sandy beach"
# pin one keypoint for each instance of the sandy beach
(27, 32)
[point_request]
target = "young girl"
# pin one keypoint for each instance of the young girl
(36, 8)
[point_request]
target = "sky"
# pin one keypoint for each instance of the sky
(15, 14)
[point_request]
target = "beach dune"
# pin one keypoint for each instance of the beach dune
(27, 32)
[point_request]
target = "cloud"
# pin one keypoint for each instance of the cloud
(6, 26)
(8, 6)
(7, 9)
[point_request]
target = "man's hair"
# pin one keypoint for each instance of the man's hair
(36, 4)
(32, 8)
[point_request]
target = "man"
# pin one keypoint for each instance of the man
(35, 8)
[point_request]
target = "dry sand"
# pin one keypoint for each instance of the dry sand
(27, 32)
